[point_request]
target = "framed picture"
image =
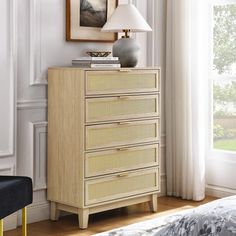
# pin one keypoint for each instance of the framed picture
(85, 18)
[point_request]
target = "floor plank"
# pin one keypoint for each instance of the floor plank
(100, 222)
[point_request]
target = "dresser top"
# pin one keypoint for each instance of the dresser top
(104, 68)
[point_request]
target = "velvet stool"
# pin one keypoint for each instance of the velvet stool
(15, 194)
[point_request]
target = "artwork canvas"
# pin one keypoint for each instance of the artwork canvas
(93, 13)
(85, 18)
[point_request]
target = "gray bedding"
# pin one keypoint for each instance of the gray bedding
(216, 218)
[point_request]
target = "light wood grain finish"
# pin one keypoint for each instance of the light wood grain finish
(65, 136)
(121, 133)
(54, 211)
(121, 159)
(103, 139)
(121, 107)
(153, 203)
(121, 185)
(83, 216)
(130, 81)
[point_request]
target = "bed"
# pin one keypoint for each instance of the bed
(215, 218)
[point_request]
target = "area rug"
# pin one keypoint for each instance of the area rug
(217, 218)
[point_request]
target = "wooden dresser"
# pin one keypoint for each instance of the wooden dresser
(103, 139)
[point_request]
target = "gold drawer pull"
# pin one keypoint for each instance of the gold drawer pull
(124, 97)
(122, 149)
(124, 123)
(122, 175)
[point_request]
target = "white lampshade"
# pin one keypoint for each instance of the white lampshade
(126, 17)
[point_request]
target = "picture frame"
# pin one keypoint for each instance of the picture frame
(85, 18)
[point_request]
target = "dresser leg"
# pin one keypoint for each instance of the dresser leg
(54, 212)
(153, 203)
(83, 215)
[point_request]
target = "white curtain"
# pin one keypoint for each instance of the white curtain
(186, 97)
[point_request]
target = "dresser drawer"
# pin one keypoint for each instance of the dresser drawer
(110, 82)
(121, 159)
(121, 107)
(121, 185)
(121, 133)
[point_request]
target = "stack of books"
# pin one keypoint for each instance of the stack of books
(96, 62)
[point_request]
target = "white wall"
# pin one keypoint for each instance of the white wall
(39, 34)
(7, 83)
(156, 56)
(7, 93)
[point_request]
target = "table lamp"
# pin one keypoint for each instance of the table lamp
(126, 18)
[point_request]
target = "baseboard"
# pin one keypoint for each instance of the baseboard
(35, 213)
(219, 192)
(10, 222)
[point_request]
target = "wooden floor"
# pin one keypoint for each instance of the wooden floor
(100, 222)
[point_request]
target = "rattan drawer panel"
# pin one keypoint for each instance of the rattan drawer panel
(109, 82)
(121, 133)
(121, 159)
(122, 107)
(121, 185)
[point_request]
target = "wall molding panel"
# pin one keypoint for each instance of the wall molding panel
(32, 104)
(7, 169)
(36, 74)
(8, 41)
(39, 154)
(13, 69)
(12, 15)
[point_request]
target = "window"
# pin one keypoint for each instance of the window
(221, 159)
(223, 73)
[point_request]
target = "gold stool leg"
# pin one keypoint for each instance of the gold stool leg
(1, 227)
(24, 222)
